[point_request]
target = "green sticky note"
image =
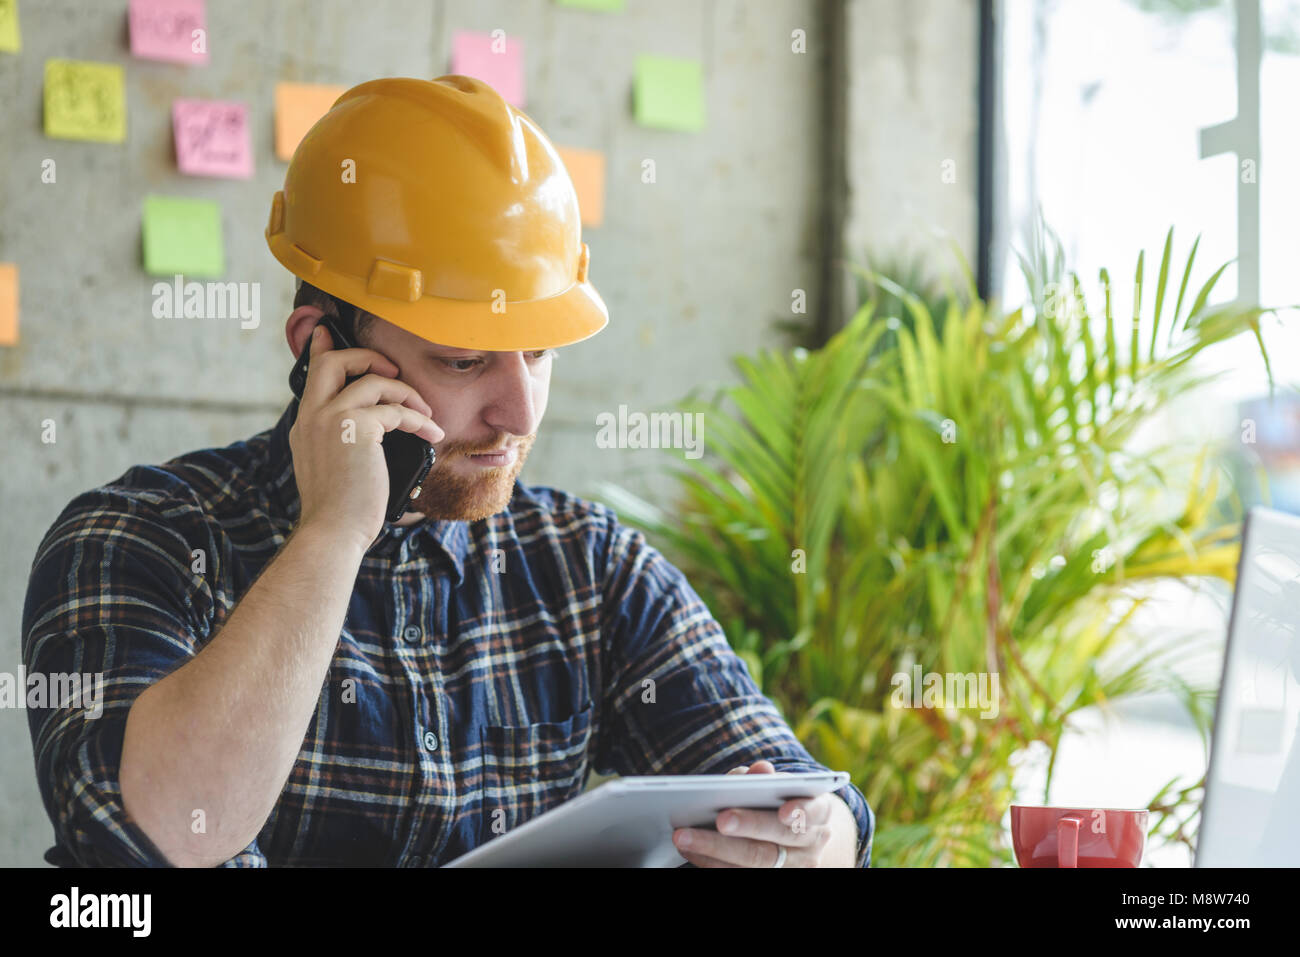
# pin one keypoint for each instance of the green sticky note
(85, 101)
(182, 236)
(609, 6)
(669, 93)
(11, 41)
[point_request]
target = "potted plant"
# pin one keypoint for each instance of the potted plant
(957, 498)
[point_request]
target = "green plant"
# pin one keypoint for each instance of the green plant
(967, 499)
(876, 285)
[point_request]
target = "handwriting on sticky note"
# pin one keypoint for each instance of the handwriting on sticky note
(173, 30)
(669, 93)
(182, 236)
(587, 170)
(11, 40)
(85, 101)
(8, 304)
(212, 138)
(297, 108)
(495, 58)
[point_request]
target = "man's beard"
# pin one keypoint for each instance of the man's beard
(459, 495)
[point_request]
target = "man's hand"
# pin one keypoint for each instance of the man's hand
(337, 439)
(815, 832)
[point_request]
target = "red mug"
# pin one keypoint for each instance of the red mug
(1078, 837)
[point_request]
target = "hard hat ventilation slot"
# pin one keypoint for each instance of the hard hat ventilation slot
(395, 281)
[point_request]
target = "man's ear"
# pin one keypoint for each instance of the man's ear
(297, 331)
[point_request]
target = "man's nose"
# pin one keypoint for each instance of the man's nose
(512, 408)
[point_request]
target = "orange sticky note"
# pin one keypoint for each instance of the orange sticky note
(8, 304)
(297, 108)
(587, 170)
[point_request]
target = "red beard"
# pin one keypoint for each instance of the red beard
(452, 491)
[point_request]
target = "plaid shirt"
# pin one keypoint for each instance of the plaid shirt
(484, 668)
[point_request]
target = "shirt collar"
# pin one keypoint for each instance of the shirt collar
(427, 538)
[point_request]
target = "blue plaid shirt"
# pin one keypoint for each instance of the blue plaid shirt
(483, 667)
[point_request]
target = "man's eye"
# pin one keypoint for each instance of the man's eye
(537, 355)
(451, 363)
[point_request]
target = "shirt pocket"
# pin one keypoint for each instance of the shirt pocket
(529, 769)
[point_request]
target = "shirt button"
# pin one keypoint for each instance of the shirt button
(412, 634)
(430, 741)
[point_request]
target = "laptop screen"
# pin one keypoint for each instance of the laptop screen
(1252, 798)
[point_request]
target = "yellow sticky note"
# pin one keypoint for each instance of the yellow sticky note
(11, 40)
(297, 108)
(587, 170)
(8, 304)
(85, 101)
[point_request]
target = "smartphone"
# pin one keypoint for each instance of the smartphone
(409, 457)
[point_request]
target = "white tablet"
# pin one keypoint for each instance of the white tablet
(629, 822)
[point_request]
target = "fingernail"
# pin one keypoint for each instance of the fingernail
(728, 825)
(684, 839)
(315, 334)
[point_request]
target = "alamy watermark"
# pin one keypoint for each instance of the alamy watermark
(949, 689)
(209, 300)
(656, 430)
(56, 689)
(75, 909)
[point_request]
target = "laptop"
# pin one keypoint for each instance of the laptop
(1251, 813)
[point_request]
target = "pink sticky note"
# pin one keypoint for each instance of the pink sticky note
(173, 30)
(497, 61)
(212, 138)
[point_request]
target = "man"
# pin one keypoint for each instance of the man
(291, 680)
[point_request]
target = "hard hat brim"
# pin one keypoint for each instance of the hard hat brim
(564, 319)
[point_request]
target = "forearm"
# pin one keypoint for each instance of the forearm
(844, 845)
(220, 734)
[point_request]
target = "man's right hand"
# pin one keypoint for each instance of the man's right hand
(336, 441)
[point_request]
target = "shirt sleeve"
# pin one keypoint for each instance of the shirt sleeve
(678, 700)
(114, 598)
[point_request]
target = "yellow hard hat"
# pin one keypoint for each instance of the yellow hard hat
(438, 206)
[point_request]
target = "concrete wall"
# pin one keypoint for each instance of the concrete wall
(693, 268)
(913, 106)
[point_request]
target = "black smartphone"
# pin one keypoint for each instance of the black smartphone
(409, 457)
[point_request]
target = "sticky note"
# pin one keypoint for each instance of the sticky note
(587, 170)
(497, 61)
(11, 40)
(172, 30)
(85, 101)
(607, 6)
(669, 93)
(182, 236)
(8, 304)
(297, 108)
(212, 138)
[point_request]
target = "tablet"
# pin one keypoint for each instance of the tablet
(629, 822)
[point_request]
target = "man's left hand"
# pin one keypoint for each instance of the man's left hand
(815, 832)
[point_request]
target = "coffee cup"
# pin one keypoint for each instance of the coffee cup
(1078, 837)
